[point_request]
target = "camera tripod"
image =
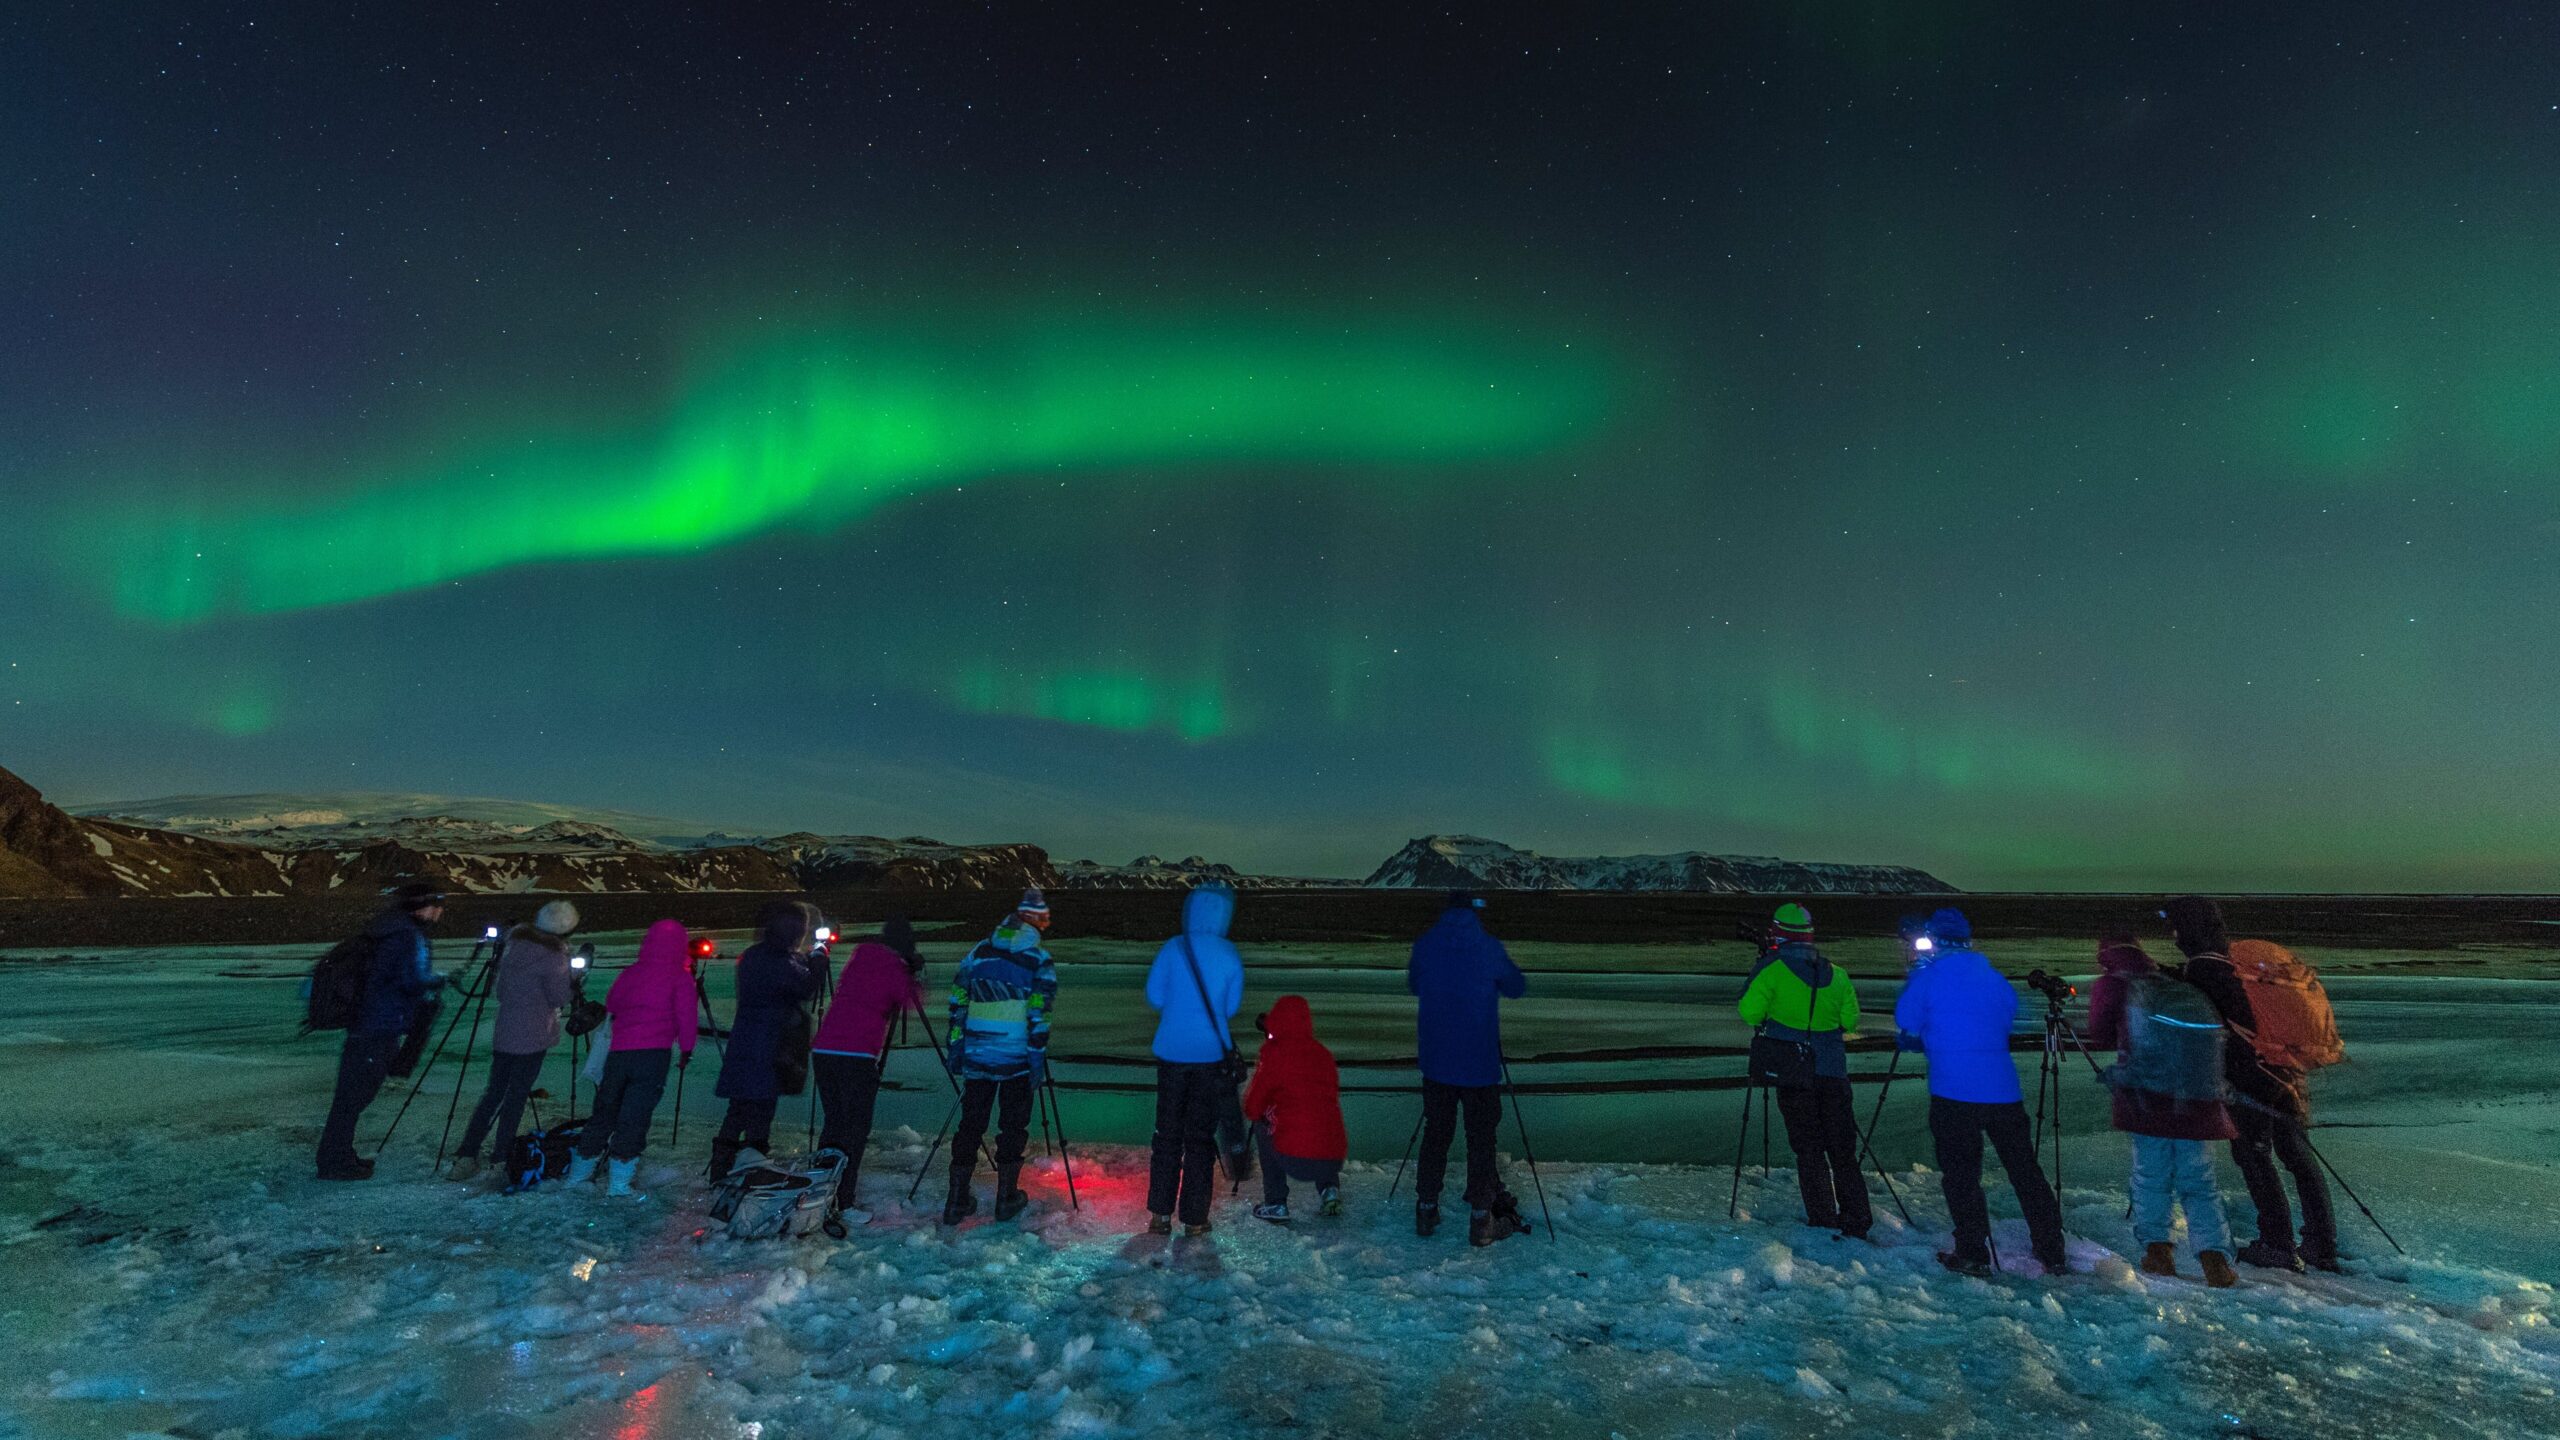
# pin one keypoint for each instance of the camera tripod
(2051, 1068)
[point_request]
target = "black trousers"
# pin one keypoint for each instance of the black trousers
(1182, 1167)
(1010, 1102)
(364, 1061)
(1278, 1169)
(1959, 1128)
(511, 1080)
(1440, 1107)
(2265, 1141)
(849, 1087)
(749, 1124)
(626, 1100)
(1822, 1130)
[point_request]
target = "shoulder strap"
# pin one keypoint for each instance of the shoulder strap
(1226, 1046)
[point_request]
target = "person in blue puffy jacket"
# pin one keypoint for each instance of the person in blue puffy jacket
(1959, 1011)
(1196, 985)
(1460, 975)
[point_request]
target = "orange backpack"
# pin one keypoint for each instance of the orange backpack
(2295, 1025)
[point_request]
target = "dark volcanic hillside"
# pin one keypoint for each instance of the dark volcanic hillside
(1473, 863)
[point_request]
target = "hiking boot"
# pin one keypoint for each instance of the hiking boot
(1426, 1217)
(724, 1158)
(1195, 1232)
(1850, 1235)
(463, 1168)
(1506, 1203)
(1159, 1224)
(1329, 1201)
(1977, 1266)
(361, 1170)
(1276, 1214)
(582, 1169)
(1009, 1195)
(2323, 1260)
(2264, 1255)
(962, 1202)
(2055, 1262)
(2217, 1270)
(620, 1173)
(1487, 1226)
(2160, 1258)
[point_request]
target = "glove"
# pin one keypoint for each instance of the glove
(956, 1054)
(1039, 1064)
(1906, 1041)
(684, 1058)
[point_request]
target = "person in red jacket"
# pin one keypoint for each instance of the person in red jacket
(1295, 1104)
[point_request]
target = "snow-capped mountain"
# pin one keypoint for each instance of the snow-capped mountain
(1475, 863)
(1154, 872)
(341, 821)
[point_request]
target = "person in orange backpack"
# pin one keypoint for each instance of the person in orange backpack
(2294, 1033)
(2270, 1103)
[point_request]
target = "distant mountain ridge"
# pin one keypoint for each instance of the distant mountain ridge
(1474, 863)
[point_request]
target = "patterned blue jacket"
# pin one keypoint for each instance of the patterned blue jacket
(1000, 1004)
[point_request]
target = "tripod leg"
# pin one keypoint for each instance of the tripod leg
(2349, 1189)
(1526, 1153)
(472, 973)
(675, 1127)
(1066, 1156)
(932, 1150)
(1741, 1146)
(1409, 1142)
(462, 1080)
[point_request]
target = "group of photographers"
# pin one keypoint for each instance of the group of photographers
(2217, 1047)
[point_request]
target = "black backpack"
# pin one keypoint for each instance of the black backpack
(334, 995)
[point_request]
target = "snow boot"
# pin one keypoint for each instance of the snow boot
(1426, 1217)
(1195, 1232)
(463, 1167)
(1329, 1201)
(1009, 1195)
(2324, 1260)
(1977, 1266)
(2217, 1270)
(2055, 1262)
(618, 1175)
(582, 1168)
(2264, 1255)
(2160, 1258)
(961, 1202)
(1276, 1214)
(1487, 1226)
(724, 1158)
(1159, 1224)
(361, 1170)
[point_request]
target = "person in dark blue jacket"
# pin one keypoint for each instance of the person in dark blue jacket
(774, 980)
(1959, 1011)
(399, 983)
(1459, 976)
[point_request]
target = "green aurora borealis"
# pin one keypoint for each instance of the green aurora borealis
(2079, 451)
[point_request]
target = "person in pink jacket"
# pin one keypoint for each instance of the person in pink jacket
(654, 1012)
(880, 982)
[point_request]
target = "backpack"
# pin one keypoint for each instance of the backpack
(2296, 1028)
(2173, 1039)
(333, 995)
(778, 1199)
(539, 1155)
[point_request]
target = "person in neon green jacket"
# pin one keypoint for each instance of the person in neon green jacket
(1802, 1009)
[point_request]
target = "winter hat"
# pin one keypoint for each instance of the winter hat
(557, 918)
(2196, 923)
(1949, 926)
(787, 924)
(418, 895)
(1794, 922)
(1034, 909)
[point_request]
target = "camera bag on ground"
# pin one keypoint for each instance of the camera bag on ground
(777, 1199)
(539, 1155)
(583, 1016)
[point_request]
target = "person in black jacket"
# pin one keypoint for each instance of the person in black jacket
(2270, 1106)
(774, 980)
(399, 982)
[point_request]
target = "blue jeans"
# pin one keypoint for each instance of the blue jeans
(2170, 1173)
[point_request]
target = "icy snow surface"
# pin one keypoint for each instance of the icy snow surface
(173, 1270)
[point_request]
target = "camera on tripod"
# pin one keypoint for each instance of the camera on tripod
(2052, 987)
(1753, 934)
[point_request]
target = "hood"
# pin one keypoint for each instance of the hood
(788, 926)
(1949, 927)
(2270, 963)
(391, 922)
(1290, 1019)
(899, 934)
(2124, 958)
(665, 944)
(1207, 910)
(1465, 919)
(1805, 963)
(1014, 937)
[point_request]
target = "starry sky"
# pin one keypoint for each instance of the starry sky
(2080, 447)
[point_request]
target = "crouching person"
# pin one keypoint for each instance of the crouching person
(534, 981)
(2169, 1097)
(656, 1018)
(880, 983)
(1295, 1104)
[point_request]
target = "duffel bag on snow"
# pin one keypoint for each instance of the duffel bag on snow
(539, 1155)
(2295, 1026)
(778, 1199)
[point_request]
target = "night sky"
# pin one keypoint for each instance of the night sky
(2061, 446)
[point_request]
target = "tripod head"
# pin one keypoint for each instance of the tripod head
(2057, 992)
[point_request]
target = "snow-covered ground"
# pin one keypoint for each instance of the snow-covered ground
(173, 1270)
